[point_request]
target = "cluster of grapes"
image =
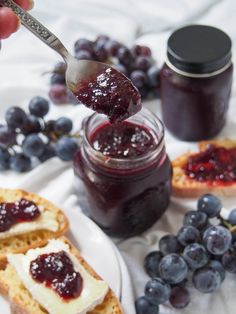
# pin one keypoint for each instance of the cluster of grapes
(27, 139)
(201, 252)
(136, 63)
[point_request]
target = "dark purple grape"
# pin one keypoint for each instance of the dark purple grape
(121, 68)
(7, 136)
(188, 235)
(15, 117)
(218, 267)
(143, 63)
(143, 306)
(232, 217)
(103, 37)
(59, 94)
(169, 244)
(125, 56)
(153, 75)
(57, 78)
(100, 54)
(229, 261)
(39, 106)
(179, 298)
(63, 125)
(66, 148)
(195, 255)
(151, 263)
(173, 269)
(210, 204)
(112, 47)
(83, 55)
(48, 153)
(20, 163)
(60, 68)
(138, 78)
(33, 146)
(196, 219)
(157, 291)
(101, 41)
(32, 125)
(139, 50)
(4, 159)
(217, 240)
(83, 44)
(206, 280)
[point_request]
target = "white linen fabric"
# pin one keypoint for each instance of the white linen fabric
(23, 59)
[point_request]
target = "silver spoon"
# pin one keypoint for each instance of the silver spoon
(97, 85)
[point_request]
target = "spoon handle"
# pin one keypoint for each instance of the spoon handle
(39, 30)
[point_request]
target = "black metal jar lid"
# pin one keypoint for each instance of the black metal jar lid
(199, 49)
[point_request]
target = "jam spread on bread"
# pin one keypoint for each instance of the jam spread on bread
(110, 93)
(17, 212)
(57, 272)
(214, 165)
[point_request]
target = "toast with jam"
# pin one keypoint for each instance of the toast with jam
(27, 221)
(55, 279)
(211, 170)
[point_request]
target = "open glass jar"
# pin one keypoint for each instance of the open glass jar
(196, 82)
(126, 195)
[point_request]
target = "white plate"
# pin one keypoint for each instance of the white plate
(95, 247)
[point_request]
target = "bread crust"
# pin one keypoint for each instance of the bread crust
(110, 305)
(184, 187)
(24, 242)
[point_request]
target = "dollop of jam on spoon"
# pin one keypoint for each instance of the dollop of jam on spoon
(111, 93)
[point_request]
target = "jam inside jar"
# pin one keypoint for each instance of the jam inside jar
(196, 82)
(125, 171)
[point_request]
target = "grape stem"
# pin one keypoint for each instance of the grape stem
(76, 135)
(232, 229)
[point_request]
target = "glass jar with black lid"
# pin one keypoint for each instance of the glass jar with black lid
(196, 82)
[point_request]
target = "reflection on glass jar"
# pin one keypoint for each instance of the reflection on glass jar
(125, 171)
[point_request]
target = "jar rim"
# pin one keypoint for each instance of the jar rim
(120, 163)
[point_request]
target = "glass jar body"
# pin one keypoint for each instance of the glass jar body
(124, 199)
(195, 109)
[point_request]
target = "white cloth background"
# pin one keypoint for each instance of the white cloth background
(23, 59)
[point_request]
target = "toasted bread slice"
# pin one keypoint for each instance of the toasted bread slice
(183, 186)
(22, 302)
(24, 242)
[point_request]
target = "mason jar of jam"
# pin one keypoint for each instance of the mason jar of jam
(196, 82)
(125, 173)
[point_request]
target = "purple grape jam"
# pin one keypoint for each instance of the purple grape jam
(57, 272)
(125, 140)
(110, 93)
(214, 165)
(17, 212)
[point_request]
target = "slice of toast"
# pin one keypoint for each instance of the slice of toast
(183, 186)
(22, 302)
(24, 242)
